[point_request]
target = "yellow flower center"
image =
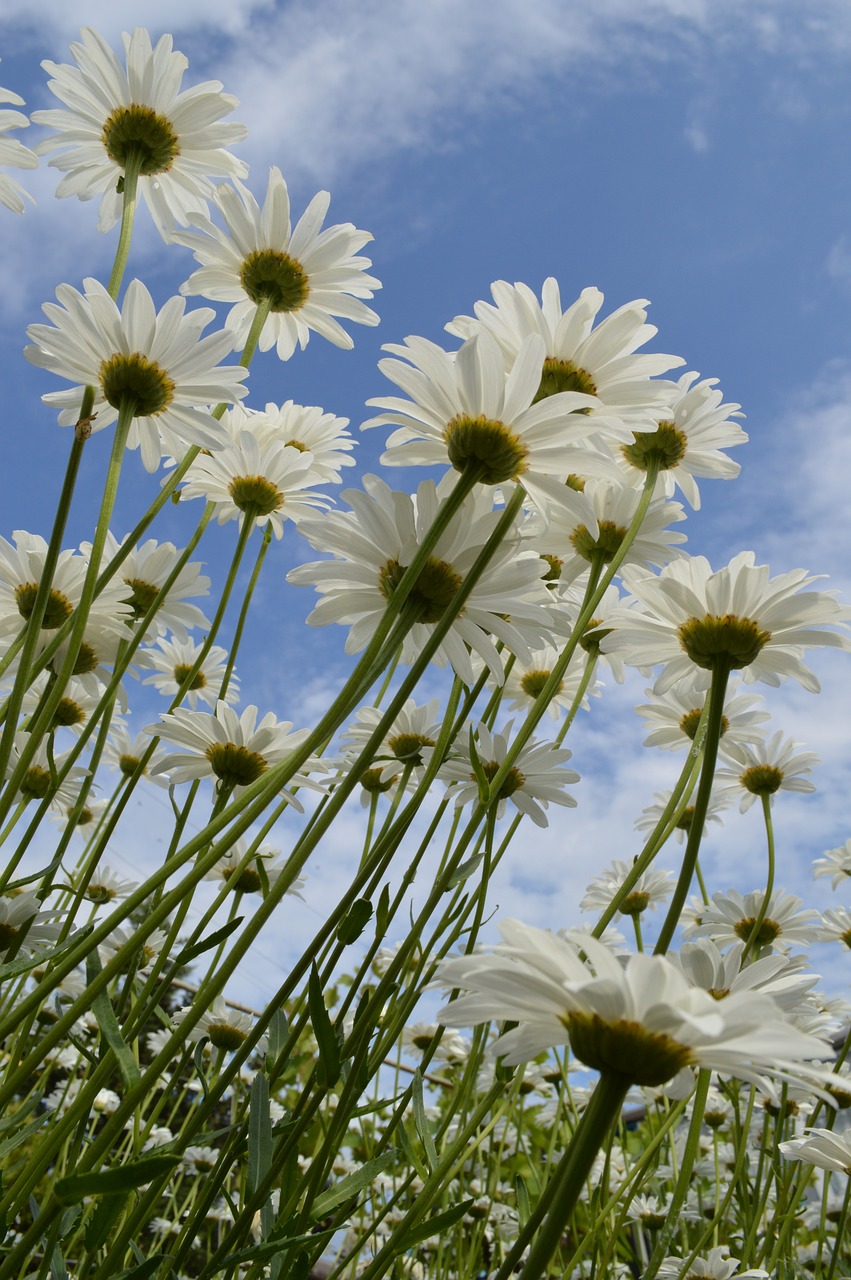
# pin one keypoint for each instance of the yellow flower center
(486, 441)
(135, 380)
(691, 719)
(532, 683)
(59, 607)
(408, 747)
(224, 1036)
(606, 544)
(512, 781)
(255, 495)
(273, 276)
(563, 375)
(181, 671)
(139, 130)
(234, 764)
(767, 932)
(667, 445)
(711, 640)
(626, 1049)
(142, 596)
(762, 779)
(434, 591)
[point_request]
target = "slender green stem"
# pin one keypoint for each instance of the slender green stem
(128, 216)
(684, 1177)
(718, 688)
(759, 920)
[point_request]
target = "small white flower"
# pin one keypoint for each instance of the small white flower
(22, 917)
(764, 768)
(144, 573)
(730, 918)
(173, 660)
(14, 153)
(821, 1147)
(225, 1026)
(652, 888)
(835, 863)
(673, 716)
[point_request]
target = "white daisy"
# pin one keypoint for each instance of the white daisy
(268, 481)
(821, 1147)
(140, 954)
(763, 768)
(74, 709)
(534, 781)
(157, 363)
(373, 544)
(38, 782)
(251, 870)
(465, 411)
(105, 885)
(525, 682)
(144, 573)
(307, 428)
(173, 660)
(21, 569)
(24, 925)
(415, 730)
(235, 750)
(835, 863)
(730, 918)
(673, 716)
(737, 617)
(651, 814)
(785, 978)
(598, 361)
(14, 153)
(716, 1265)
(653, 887)
(116, 114)
(223, 1024)
(307, 275)
(688, 441)
(640, 1018)
(836, 926)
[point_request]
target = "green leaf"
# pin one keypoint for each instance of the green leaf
(466, 869)
(382, 913)
(15, 1117)
(147, 1268)
(523, 1206)
(23, 963)
(422, 1123)
(279, 1030)
(188, 954)
(260, 1146)
(434, 1226)
(101, 1222)
(356, 919)
(351, 1184)
(270, 1248)
(481, 777)
(109, 1028)
(17, 1138)
(328, 1067)
(113, 1182)
(411, 1151)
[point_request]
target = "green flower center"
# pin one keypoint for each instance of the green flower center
(408, 747)
(256, 495)
(767, 932)
(762, 779)
(371, 781)
(563, 375)
(142, 596)
(653, 1221)
(731, 640)
(715, 1119)
(593, 634)
(139, 130)
(100, 893)
(532, 683)
(87, 661)
(128, 764)
(634, 903)
(500, 454)
(512, 781)
(234, 764)
(248, 880)
(435, 589)
(36, 783)
(273, 276)
(606, 544)
(575, 482)
(137, 381)
(59, 607)
(691, 719)
(683, 822)
(667, 445)
(297, 444)
(625, 1048)
(555, 567)
(68, 713)
(182, 670)
(224, 1036)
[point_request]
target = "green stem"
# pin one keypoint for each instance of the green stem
(753, 936)
(717, 690)
(128, 214)
(684, 1178)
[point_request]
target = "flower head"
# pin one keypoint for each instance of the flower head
(673, 716)
(821, 1147)
(731, 916)
(173, 662)
(307, 276)
(117, 115)
(156, 364)
(13, 153)
(835, 863)
(763, 768)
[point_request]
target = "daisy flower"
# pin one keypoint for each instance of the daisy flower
(14, 153)
(157, 363)
(599, 361)
(836, 926)
(224, 1025)
(738, 616)
(567, 606)
(414, 731)
(173, 660)
(38, 780)
(120, 114)
(307, 428)
(144, 573)
(764, 768)
(269, 482)
(378, 538)
(716, 1265)
(730, 918)
(307, 275)
(21, 569)
(74, 709)
(651, 814)
(673, 716)
(124, 753)
(525, 682)
(248, 868)
(640, 1019)
(535, 780)
(821, 1147)
(465, 411)
(778, 975)
(652, 888)
(835, 863)
(105, 885)
(235, 750)
(689, 441)
(22, 915)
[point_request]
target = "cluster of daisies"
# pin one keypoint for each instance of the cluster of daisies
(548, 549)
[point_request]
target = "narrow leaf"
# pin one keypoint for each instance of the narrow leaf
(355, 921)
(351, 1184)
(188, 954)
(421, 1121)
(259, 1133)
(113, 1182)
(382, 913)
(328, 1067)
(434, 1226)
(109, 1028)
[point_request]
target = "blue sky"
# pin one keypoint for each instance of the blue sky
(694, 154)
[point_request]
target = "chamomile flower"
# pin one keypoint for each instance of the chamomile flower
(673, 716)
(13, 153)
(307, 428)
(525, 681)
(738, 617)
(144, 573)
(414, 731)
(599, 361)
(104, 885)
(652, 888)
(836, 926)
(535, 780)
(116, 115)
(173, 660)
(224, 1025)
(730, 918)
(465, 411)
(268, 482)
(651, 814)
(235, 750)
(155, 363)
(38, 780)
(21, 570)
(763, 768)
(716, 1265)
(249, 871)
(375, 541)
(835, 863)
(307, 275)
(785, 978)
(640, 1019)
(688, 441)
(125, 753)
